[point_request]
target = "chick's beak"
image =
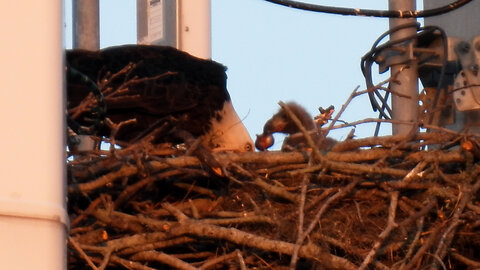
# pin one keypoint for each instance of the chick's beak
(264, 141)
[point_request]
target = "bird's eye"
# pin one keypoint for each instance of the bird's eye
(248, 147)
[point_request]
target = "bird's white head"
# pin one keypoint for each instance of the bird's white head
(227, 132)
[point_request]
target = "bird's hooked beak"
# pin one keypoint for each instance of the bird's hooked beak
(228, 132)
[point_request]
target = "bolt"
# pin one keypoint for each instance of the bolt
(463, 47)
(474, 69)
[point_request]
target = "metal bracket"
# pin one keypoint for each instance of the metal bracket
(466, 92)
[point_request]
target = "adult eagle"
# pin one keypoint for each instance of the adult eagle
(158, 87)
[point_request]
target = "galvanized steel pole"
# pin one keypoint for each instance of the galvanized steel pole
(404, 109)
(86, 24)
(86, 36)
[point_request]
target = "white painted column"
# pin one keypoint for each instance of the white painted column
(194, 27)
(33, 218)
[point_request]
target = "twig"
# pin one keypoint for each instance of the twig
(188, 226)
(80, 251)
(341, 193)
(240, 260)
(467, 191)
(275, 190)
(163, 258)
(344, 106)
(130, 264)
(391, 225)
(465, 260)
(218, 259)
(301, 206)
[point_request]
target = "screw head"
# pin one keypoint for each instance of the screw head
(463, 47)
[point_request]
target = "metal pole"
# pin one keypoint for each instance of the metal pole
(86, 24)
(404, 109)
(86, 36)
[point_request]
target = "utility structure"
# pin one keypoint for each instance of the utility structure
(183, 24)
(444, 54)
(463, 31)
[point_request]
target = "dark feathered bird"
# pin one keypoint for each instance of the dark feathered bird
(157, 86)
(282, 123)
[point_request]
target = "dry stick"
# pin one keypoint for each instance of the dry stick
(318, 156)
(108, 78)
(301, 206)
(414, 243)
(129, 264)
(80, 251)
(420, 214)
(163, 258)
(467, 191)
(156, 245)
(391, 225)
(353, 168)
(369, 120)
(424, 247)
(106, 259)
(311, 251)
(275, 190)
(191, 187)
(114, 128)
(344, 107)
(124, 171)
(194, 255)
(131, 190)
(469, 262)
(363, 155)
(314, 201)
(240, 220)
(413, 174)
(391, 140)
(348, 249)
(264, 158)
(341, 193)
(355, 94)
(85, 212)
(218, 259)
(240, 260)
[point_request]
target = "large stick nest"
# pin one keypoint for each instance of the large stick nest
(395, 202)
(380, 203)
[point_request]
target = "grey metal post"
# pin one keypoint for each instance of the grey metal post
(404, 109)
(86, 24)
(86, 36)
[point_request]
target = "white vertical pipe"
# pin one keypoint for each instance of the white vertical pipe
(194, 27)
(33, 218)
(404, 109)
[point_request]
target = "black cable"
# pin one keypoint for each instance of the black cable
(369, 58)
(98, 112)
(371, 12)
